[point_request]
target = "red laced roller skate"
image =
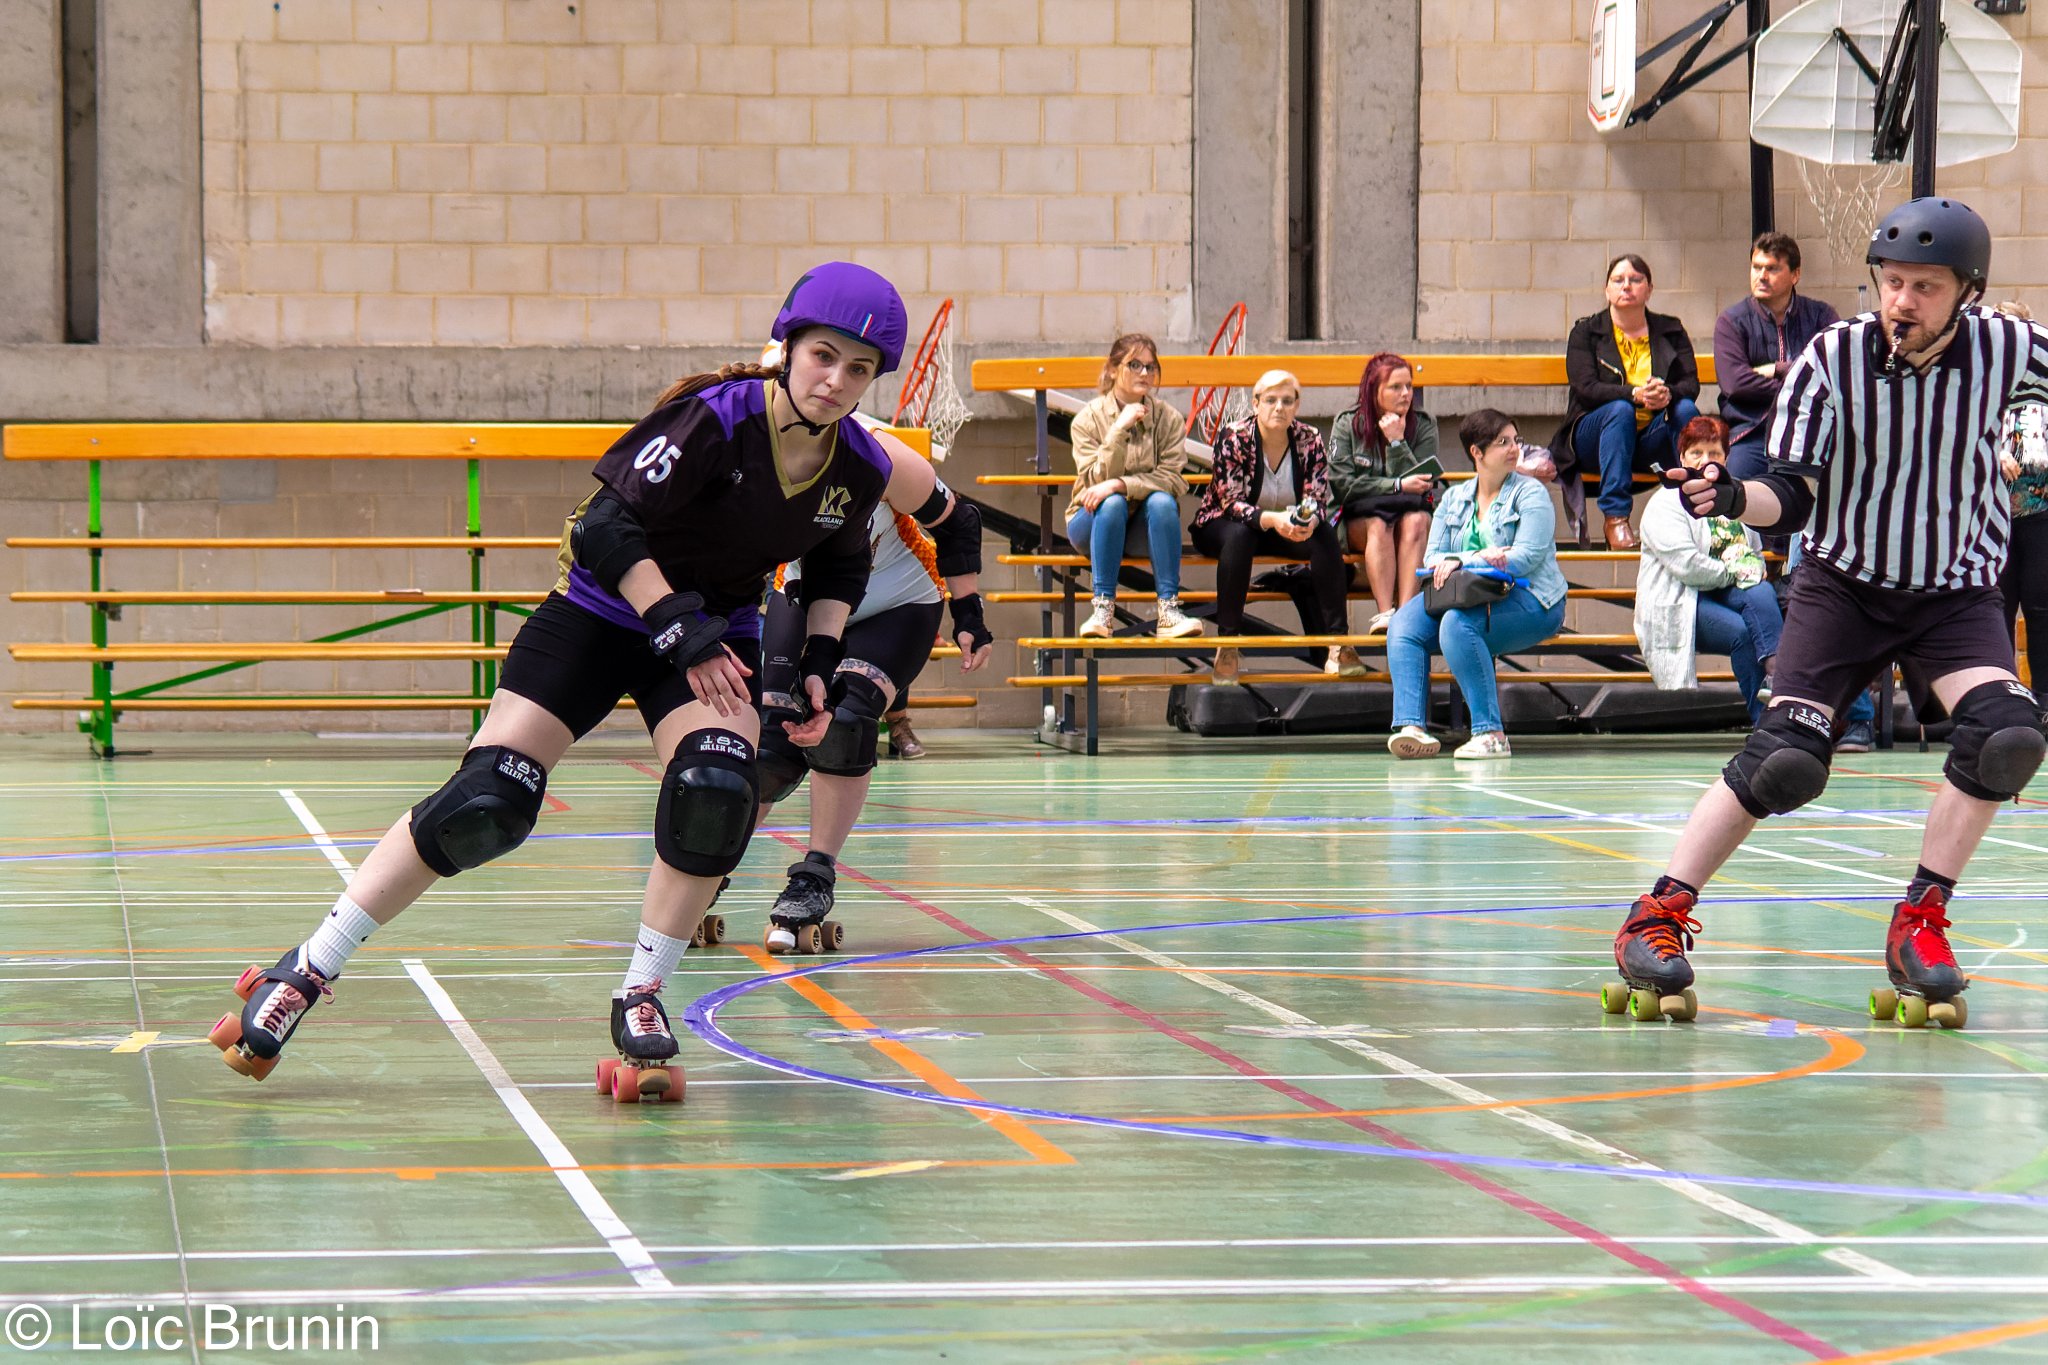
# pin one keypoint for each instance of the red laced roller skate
(1927, 985)
(1656, 980)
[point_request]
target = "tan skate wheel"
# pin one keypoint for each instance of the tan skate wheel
(605, 1067)
(1949, 1013)
(1884, 1003)
(1913, 1011)
(1614, 997)
(697, 935)
(626, 1084)
(713, 927)
(809, 940)
(245, 984)
(248, 1064)
(227, 1032)
(1682, 1008)
(831, 934)
(1645, 1005)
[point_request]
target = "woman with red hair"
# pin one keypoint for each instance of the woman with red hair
(1383, 473)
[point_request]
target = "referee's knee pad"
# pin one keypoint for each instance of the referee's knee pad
(708, 804)
(1997, 744)
(1784, 763)
(857, 702)
(483, 812)
(781, 768)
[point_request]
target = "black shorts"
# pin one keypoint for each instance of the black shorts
(1841, 632)
(576, 665)
(1388, 507)
(897, 641)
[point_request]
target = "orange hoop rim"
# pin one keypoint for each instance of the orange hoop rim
(916, 399)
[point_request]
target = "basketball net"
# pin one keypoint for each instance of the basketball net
(1846, 198)
(1214, 407)
(931, 395)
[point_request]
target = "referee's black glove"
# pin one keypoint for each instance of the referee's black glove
(678, 631)
(967, 620)
(1729, 497)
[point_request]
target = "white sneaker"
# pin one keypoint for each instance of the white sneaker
(1101, 623)
(1490, 744)
(1173, 623)
(1378, 622)
(1412, 741)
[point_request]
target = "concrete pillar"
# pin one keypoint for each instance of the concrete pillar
(1241, 165)
(31, 173)
(1368, 136)
(150, 229)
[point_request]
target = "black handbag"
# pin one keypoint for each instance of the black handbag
(1463, 591)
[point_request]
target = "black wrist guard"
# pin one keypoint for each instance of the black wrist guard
(819, 660)
(967, 620)
(1729, 495)
(679, 631)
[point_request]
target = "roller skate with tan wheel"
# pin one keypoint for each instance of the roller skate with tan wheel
(1927, 985)
(277, 999)
(1656, 979)
(798, 923)
(710, 930)
(645, 1071)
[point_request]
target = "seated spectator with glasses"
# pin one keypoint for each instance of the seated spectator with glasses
(1129, 452)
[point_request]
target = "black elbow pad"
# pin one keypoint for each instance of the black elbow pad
(1795, 499)
(958, 538)
(834, 579)
(607, 540)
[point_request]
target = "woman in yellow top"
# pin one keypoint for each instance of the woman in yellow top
(1129, 452)
(1633, 386)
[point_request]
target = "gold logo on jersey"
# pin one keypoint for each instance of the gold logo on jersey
(833, 506)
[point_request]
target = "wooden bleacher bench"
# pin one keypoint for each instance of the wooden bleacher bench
(473, 443)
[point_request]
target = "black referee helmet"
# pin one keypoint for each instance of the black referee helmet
(1934, 231)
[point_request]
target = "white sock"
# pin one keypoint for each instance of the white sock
(347, 927)
(655, 956)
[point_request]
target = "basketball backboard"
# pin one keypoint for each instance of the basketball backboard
(1611, 88)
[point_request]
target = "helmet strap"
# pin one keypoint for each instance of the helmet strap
(1898, 361)
(810, 428)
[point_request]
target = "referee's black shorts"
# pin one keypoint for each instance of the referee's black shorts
(576, 665)
(1841, 632)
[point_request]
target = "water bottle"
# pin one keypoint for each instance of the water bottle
(1303, 513)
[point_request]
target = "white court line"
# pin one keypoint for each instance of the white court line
(1699, 1194)
(952, 1248)
(320, 839)
(574, 1179)
(628, 1248)
(814, 1291)
(1846, 848)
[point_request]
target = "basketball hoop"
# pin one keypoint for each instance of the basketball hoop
(931, 395)
(1217, 406)
(1846, 198)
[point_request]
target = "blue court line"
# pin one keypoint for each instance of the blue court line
(913, 827)
(701, 1017)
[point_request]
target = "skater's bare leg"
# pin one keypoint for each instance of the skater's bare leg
(1957, 821)
(674, 901)
(1717, 827)
(836, 802)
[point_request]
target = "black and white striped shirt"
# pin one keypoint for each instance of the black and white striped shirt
(1909, 491)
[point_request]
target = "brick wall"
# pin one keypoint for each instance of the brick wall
(1522, 203)
(619, 172)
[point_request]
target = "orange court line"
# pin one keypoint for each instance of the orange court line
(1842, 1051)
(430, 1172)
(913, 1062)
(1962, 1341)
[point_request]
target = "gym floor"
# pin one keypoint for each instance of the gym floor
(1199, 1051)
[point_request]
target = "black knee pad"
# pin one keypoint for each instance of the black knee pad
(1997, 744)
(483, 812)
(780, 769)
(856, 702)
(708, 804)
(1784, 763)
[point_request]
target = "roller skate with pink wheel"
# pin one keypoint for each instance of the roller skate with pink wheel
(1927, 986)
(277, 999)
(1656, 979)
(644, 1072)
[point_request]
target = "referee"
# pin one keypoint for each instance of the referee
(1886, 436)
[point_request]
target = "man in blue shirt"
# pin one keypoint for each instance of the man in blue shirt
(1755, 343)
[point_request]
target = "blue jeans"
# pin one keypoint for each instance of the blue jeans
(1103, 532)
(1744, 624)
(1611, 430)
(1469, 640)
(1862, 711)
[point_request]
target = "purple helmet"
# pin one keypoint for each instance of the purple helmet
(853, 301)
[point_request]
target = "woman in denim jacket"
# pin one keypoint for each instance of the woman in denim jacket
(1499, 518)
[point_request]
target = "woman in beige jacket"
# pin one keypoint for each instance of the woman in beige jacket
(1129, 454)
